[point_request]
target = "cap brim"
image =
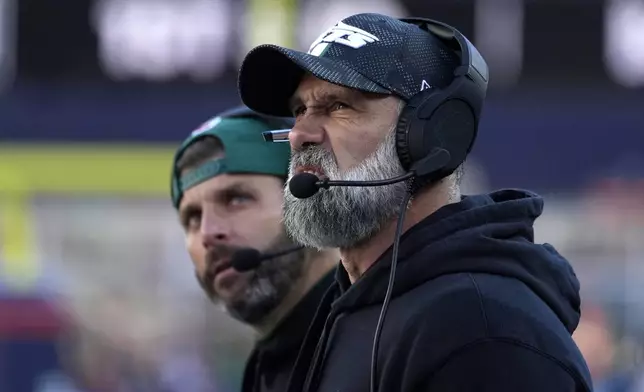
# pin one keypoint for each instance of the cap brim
(270, 75)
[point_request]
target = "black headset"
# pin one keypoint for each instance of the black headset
(273, 122)
(440, 121)
(436, 130)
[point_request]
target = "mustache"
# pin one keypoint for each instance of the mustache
(213, 263)
(313, 155)
(218, 252)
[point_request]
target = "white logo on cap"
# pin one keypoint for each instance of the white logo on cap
(342, 34)
(424, 85)
(206, 126)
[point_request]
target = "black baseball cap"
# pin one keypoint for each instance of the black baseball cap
(369, 52)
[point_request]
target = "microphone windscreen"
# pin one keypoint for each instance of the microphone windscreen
(246, 259)
(304, 185)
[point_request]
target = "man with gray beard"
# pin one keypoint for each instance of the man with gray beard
(227, 187)
(330, 217)
(474, 304)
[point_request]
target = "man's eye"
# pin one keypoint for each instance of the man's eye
(339, 106)
(237, 200)
(192, 221)
(299, 111)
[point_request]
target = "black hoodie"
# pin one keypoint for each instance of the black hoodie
(476, 306)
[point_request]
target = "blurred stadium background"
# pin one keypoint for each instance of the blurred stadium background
(96, 291)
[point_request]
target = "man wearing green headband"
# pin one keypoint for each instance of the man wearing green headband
(227, 185)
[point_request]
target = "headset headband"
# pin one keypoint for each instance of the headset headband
(472, 63)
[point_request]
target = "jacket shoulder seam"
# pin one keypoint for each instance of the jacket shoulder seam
(481, 306)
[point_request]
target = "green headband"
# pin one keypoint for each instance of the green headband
(245, 151)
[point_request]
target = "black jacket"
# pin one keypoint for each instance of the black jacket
(477, 306)
(269, 366)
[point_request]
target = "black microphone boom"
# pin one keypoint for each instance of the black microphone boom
(248, 258)
(305, 185)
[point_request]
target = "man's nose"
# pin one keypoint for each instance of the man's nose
(306, 132)
(214, 230)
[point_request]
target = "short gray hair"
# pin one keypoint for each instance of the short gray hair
(459, 173)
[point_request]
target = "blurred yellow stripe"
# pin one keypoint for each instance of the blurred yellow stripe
(19, 265)
(86, 169)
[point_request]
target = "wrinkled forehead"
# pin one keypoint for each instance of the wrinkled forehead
(314, 91)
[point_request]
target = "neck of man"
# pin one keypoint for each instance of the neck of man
(318, 264)
(359, 259)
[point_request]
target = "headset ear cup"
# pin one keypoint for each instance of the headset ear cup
(402, 137)
(452, 127)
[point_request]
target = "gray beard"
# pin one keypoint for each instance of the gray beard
(345, 217)
(269, 285)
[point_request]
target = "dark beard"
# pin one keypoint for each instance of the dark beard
(269, 284)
